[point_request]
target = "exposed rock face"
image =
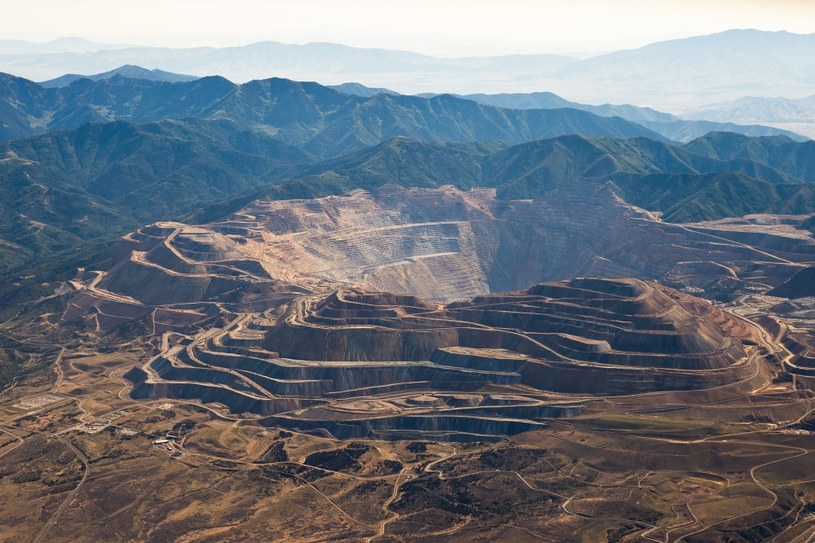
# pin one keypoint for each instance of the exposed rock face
(358, 363)
(613, 322)
(445, 244)
(339, 313)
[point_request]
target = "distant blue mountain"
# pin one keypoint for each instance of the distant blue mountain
(128, 71)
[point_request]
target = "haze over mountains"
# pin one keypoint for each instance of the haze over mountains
(683, 77)
(59, 45)
(796, 115)
(674, 75)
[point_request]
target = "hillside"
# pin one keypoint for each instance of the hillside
(100, 180)
(692, 198)
(794, 158)
(688, 187)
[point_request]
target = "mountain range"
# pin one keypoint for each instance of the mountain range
(676, 76)
(461, 316)
(666, 124)
(321, 120)
(328, 121)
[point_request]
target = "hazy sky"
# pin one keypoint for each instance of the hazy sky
(438, 27)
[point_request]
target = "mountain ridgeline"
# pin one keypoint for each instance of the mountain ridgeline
(665, 124)
(129, 71)
(329, 120)
(321, 120)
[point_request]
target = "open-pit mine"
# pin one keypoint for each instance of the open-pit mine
(424, 365)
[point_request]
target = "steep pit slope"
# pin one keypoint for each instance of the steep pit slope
(445, 244)
(360, 363)
(176, 276)
(278, 311)
(616, 322)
